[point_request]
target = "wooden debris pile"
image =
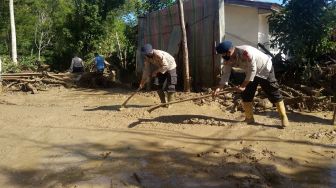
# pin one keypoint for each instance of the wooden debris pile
(299, 97)
(34, 82)
(305, 98)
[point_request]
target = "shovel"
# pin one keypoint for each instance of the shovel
(152, 108)
(123, 105)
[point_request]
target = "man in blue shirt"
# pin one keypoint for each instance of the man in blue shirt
(100, 63)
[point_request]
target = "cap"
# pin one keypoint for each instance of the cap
(224, 47)
(147, 49)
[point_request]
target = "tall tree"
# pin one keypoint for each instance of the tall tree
(304, 38)
(13, 31)
(43, 28)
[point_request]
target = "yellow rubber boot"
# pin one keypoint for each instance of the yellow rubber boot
(170, 97)
(282, 112)
(248, 108)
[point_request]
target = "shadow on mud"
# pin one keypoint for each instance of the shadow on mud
(142, 162)
(195, 119)
(114, 107)
(300, 118)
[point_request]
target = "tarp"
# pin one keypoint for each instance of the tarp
(162, 30)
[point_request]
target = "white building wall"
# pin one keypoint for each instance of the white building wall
(263, 34)
(242, 24)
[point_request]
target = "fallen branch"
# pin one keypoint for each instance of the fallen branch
(31, 88)
(14, 78)
(22, 74)
(54, 77)
(293, 91)
(310, 91)
(50, 81)
(286, 94)
(10, 85)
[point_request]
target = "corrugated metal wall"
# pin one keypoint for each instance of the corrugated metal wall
(202, 24)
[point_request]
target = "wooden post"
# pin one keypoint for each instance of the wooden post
(334, 116)
(186, 77)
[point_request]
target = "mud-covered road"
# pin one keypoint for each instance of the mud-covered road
(79, 138)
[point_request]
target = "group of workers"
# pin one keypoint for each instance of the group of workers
(77, 64)
(257, 66)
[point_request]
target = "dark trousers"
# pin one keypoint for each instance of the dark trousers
(77, 69)
(170, 77)
(270, 86)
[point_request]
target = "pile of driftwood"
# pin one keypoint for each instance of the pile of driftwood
(34, 82)
(299, 97)
(319, 95)
(306, 98)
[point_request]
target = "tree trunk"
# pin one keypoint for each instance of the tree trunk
(186, 77)
(0, 75)
(120, 52)
(13, 31)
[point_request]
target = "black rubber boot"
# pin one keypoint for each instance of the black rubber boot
(162, 96)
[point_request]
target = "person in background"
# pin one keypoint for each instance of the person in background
(100, 63)
(77, 65)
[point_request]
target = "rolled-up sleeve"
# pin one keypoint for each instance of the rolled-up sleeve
(251, 70)
(226, 75)
(146, 70)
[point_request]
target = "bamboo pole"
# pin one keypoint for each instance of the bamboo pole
(185, 49)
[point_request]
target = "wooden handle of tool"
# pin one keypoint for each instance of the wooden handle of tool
(152, 108)
(126, 101)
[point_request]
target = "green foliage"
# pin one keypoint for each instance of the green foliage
(4, 27)
(74, 27)
(303, 28)
(153, 5)
(26, 64)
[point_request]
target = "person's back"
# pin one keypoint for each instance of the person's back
(99, 63)
(78, 62)
(77, 65)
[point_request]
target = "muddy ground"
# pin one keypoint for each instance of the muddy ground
(78, 138)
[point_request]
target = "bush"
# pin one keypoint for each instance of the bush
(24, 64)
(304, 28)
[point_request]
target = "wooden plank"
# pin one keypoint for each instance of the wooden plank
(22, 74)
(33, 74)
(14, 78)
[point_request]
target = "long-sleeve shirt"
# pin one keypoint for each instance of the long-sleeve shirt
(250, 60)
(162, 60)
(76, 62)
